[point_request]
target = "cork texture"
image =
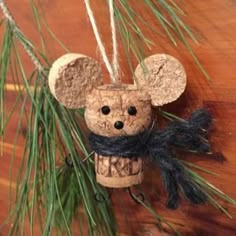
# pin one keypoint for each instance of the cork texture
(118, 99)
(72, 77)
(163, 76)
(116, 172)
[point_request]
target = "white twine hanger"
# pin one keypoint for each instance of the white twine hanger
(113, 68)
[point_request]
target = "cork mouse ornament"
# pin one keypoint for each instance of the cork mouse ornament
(120, 119)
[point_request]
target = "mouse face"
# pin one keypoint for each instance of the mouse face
(115, 111)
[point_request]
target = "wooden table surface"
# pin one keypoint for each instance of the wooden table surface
(216, 21)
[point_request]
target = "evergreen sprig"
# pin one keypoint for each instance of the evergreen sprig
(49, 194)
(171, 26)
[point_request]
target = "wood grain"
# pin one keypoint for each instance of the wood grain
(216, 21)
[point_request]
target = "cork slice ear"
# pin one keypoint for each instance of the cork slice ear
(72, 77)
(163, 77)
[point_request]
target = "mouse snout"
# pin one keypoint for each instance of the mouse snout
(119, 124)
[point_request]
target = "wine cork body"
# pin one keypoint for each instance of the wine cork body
(117, 110)
(118, 172)
(115, 171)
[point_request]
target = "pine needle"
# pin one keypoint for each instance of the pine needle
(49, 193)
(168, 15)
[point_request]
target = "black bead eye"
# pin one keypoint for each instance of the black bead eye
(132, 110)
(105, 110)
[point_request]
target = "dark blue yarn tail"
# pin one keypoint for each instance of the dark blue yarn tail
(191, 134)
(176, 179)
(200, 119)
(171, 187)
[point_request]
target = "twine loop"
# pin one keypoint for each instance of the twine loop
(112, 67)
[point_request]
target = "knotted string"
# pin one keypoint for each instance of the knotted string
(113, 68)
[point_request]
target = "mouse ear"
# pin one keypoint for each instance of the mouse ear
(72, 77)
(162, 76)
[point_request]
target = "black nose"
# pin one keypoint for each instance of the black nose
(119, 125)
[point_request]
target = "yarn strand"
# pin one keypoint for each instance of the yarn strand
(113, 68)
(115, 63)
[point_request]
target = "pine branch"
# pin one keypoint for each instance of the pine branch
(28, 47)
(168, 16)
(48, 187)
